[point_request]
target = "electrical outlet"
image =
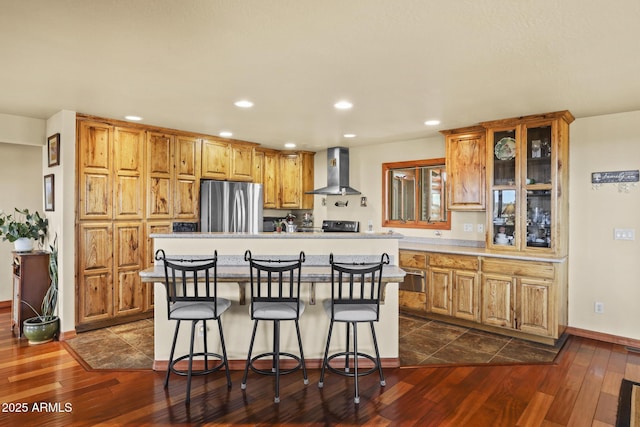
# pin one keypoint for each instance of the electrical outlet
(480, 228)
(624, 234)
(468, 227)
(598, 307)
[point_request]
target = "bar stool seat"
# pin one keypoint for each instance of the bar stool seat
(355, 298)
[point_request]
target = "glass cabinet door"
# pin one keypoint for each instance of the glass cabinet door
(539, 218)
(539, 155)
(504, 158)
(504, 217)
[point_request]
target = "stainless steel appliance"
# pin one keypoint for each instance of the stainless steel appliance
(337, 173)
(230, 206)
(340, 226)
(414, 280)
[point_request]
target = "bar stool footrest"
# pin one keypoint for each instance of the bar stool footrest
(271, 371)
(211, 358)
(350, 372)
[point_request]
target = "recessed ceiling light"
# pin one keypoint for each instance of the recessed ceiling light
(343, 105)
(244, 104)
(225, 134)
(133, 118)
(349, 135)
(432, 122)
(290, 145)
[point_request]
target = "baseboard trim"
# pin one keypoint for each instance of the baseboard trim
(599, 336)
(63, 336)
(5, 304)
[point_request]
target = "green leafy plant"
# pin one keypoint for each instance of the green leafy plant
(23, 223)
(50, 300)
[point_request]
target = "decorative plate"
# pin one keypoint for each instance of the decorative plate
(506, 148)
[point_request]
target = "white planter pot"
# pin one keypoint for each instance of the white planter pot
(23, 244)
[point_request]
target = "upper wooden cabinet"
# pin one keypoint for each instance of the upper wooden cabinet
(215, 159)
(265, 172)
(187, 181)
(128, 166)
(296, 178)
(465, 162)
(160, 175)
(241, 162)
(94, 170)
(527, 178)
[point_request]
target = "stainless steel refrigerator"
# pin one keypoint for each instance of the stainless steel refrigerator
(230, 206)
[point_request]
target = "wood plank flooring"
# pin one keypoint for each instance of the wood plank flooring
(45, 385)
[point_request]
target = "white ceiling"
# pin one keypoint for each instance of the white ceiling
(182, 64)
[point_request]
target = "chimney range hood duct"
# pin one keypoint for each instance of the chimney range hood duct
(337, 173)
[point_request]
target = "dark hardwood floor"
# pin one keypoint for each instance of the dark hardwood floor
(44, 385)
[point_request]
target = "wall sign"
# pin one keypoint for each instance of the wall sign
(615, 177)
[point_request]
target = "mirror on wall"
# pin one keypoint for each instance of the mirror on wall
(414, 194)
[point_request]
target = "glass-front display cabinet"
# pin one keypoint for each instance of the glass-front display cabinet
(527, 161)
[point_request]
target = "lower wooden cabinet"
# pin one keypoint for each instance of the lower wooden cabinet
(412, 295)
(516, 297)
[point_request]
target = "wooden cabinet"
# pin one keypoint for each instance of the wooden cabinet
(524, 296)
(265, 172)
(466, 172)
(241, 162)
(30, 283)
(412, 295)
(128, 165)
(187, 181)
(128, 262)
(215, 159)
(94, 170)
(160, 175)
(296, 178)
(453, 286)
(519, 297)
(527, 178)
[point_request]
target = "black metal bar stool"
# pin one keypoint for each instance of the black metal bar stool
(275, 296)
(192, 295)
(355, 298)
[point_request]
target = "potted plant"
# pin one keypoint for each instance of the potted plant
(22, 228)
(44, 326)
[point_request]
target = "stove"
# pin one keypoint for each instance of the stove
(340, 226)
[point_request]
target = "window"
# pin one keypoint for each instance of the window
(415, 194)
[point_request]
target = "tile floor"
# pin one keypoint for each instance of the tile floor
(130, 346)
(424, 342)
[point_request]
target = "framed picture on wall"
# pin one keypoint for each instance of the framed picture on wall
(53, 149)
(49, 193)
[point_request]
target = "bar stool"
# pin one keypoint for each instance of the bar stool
(355, 298)
(275, 296)
(192, 295)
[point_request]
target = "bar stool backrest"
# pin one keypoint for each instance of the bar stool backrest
(356, 283)
(190, 280)
(275, 280)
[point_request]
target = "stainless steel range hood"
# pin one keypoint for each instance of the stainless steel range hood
(337, 173)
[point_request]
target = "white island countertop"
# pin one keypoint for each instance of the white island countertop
(296, 235)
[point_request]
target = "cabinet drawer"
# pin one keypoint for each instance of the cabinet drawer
(543, 270)
(458, 262)
(413, 259)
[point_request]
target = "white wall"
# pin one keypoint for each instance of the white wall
(366, 177)
(601, 269)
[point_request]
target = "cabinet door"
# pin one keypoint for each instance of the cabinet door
(160, 175)
(497, 301)
(95, 141)
(533, 307)
(128, 188)
(187, 174)
(95, 283)
(466, 295)
(440, 285)
(290, 181)
(149, 261)
(215, 159)
(258, 166)
(465, 162)
(241, 162)
(270, 180)
(128, 263)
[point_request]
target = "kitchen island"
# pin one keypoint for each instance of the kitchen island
(233, 275)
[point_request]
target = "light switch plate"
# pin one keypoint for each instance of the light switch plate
(624, 234)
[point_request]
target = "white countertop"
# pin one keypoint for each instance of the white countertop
(297, 235)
